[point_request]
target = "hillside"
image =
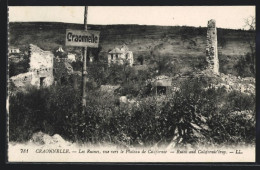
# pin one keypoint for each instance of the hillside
(184, 44)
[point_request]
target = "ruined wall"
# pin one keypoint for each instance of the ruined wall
(124, 57)
(40, 71)
(41, 65)
(212, 47)
(40, 58)
(22, 80)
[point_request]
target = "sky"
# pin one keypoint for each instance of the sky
(226, 16)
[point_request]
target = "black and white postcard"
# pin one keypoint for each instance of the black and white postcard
(131, 84)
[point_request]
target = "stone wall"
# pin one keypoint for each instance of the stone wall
(212, 47)
(40, 58)
(41, 65)
(40, 72)
(22, 80)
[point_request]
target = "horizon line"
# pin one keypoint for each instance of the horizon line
(123, 24)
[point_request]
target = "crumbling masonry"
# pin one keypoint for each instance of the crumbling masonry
(212, 47)
(44, 70)
(41, 65)
(40, 72)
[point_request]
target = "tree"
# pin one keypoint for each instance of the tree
(94, 52)
(246, 64)
(164, 65)
(250, 23)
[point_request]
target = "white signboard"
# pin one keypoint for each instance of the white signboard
(81, 38)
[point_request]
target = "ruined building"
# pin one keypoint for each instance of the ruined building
(44, 70)
(121, 56)
(212, 47)
(41, 65)
(40, 72)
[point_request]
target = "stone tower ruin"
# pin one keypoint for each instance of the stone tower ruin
(212, 47)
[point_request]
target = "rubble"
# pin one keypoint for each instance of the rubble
(41, 138)
(230, 82)
(109, 88)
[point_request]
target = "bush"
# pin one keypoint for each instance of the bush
(26, 112)
(231, 128)
(77, 65)
(245, 66)
(185, 114)
(192, 115)
(20, 67)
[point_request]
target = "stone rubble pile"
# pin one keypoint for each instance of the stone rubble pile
(41, 138)
(230, 82)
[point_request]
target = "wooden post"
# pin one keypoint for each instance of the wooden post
(84, 70)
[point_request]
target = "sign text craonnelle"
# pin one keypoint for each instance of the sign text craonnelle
(80, 38)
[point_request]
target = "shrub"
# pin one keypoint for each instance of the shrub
(20, 67)
(184, 115)
(26, 112)
(192, 115)
(245, 66)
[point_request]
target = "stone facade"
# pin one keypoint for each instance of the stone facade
(212, 47)
(120, 56)
(45, 70)
(41, 65)
(40, 73)
(22, 80)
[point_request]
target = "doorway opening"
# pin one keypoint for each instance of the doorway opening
(42, 81)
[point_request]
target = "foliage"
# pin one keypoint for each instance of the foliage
(140, 59)
(20, 67)
(164, 65)
(192, 115)
(245, 66)
(199, 63)
(26, 112)
(60, 54)
(77, 65)
(94, 52)
(222, 40)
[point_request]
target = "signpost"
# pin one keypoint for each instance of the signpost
(83, 38)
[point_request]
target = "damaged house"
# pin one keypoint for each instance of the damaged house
(40, 72)
(44, 70)
(120, 56)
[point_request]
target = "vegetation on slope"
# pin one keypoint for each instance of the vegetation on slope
(185, 45)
